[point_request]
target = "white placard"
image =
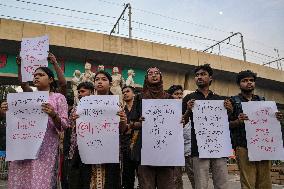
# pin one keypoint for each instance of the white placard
(212, 129)
(263, 131)
(97, 129)
(34, 53)
(162, 133)
(26, 124)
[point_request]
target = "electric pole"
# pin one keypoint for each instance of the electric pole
(116, 25)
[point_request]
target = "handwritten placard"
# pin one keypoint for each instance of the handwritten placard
(162, 133)
(34, 53)
(97, 129)
(263, 131)
(212, 129)
(26, 124)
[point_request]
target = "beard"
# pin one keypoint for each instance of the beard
(247, 90)
(201, 85)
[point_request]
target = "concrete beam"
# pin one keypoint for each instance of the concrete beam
(15, 30)
(177, 62)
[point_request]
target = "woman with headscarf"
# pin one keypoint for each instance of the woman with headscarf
(151, 177)
(41, 173)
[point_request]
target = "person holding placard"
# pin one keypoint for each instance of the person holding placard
(151, 177)
(105, 176)
(253, 174)
(61, 89)
(203, 80)
(79, 173)
(42, 172)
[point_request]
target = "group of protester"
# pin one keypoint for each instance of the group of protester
(63, 168)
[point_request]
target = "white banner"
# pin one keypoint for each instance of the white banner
(212, 129)
(97, 129)
(34, 53)
(162, 133)
(26, 124)
(263, 131)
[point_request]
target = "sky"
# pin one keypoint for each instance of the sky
(195, 24)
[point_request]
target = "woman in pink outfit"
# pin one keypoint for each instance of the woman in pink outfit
(41, 173)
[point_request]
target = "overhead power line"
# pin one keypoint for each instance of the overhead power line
(135, 22)
(56, 14)
(188, 22)
(51, 23)
(152, 13)
(168, 17)
(62, 8)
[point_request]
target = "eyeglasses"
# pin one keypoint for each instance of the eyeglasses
(154, 73)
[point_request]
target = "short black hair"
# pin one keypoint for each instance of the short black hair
(243, 74)
(104, 73)
(129, 87)
(86, 85)
(174, 88)
(205, 67)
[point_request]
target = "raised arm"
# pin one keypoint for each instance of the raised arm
(60, 75)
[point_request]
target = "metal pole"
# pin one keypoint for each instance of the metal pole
(112, 31)
(243, 47)
(129, 22)
(220, 42)
(278, 62)
(228, 38)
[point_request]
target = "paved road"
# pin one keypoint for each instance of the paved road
(234, 183)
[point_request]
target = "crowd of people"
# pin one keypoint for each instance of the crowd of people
(59, 164)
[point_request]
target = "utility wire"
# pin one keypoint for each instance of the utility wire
(144, 11)
(140, 23)
(188, 22)
(52, 13)
(168, 17)
(67, 9)
(90, 29)
(51, 23)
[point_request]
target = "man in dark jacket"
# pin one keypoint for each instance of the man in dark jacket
(253, 174)
(203, 79)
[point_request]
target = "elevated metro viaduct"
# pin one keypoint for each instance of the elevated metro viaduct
(74, 47)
